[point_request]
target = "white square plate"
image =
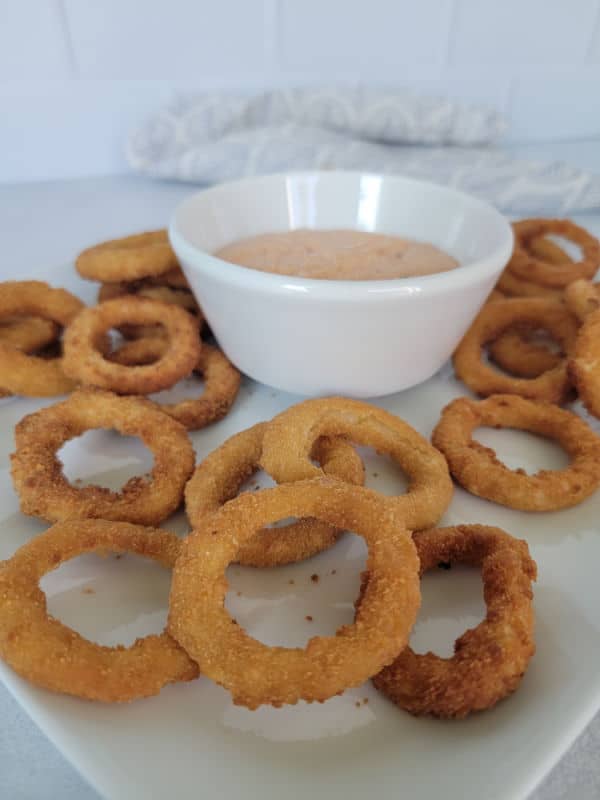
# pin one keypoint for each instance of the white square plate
(192, 741)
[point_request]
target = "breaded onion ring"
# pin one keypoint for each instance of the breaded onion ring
(25, 374)
(28, 333)
(514, 352)
(218, 478)
(584, 366)
(547, 250)
(256, 674)
(480, 472)
(54, 656)
(43, 488)
(178, 297)
(513, 286)
(173, 278)
(290, 438)
(128, 258)
(221, 381)
(83, 361)
(489, 660)
(526, 266)
(581, 298)
(552, 386)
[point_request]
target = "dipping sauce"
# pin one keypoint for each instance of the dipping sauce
(346, 255)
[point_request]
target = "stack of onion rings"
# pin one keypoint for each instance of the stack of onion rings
(256, 674)
(85, 363)
(545, 250)
(43, 488)
(489, 660)
(525, 266)
(291, 436)
(221, 381)
(219, 477)
(31, 375)
(551, 386)
(146, 288)
(515, 352)
(480, 472)
(52, 655)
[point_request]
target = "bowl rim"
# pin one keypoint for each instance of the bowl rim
(270, 282)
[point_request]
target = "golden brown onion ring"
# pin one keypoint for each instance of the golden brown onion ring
(581, 298)
(480, 472)
(128, 258)
(256, 674)
(552, 386)
(516, 353)
(219, 477)
(221, 381)
(584, 366)
(490, 659)
(85, 363)
(290, 438)
(25, 374)
(43, 488)
(49, 654)
(527, 267)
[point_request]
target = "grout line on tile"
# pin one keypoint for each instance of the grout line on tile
(272, 35)
(594, 31)
(66, 28)
(452, 17)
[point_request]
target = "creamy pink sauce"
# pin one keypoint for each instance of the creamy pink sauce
(337, 255)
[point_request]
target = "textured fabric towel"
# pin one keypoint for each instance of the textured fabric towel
(211, 137)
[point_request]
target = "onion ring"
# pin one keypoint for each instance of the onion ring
(25, 374)
(83, 361)
(28, 333)
(221, 381)
(54, 656)
(173, 278)
(552, 386)
(517, 287)
(489, 660)
(526, 266)
(256, 674)
(219, 477)
(547, 250)
(480, 472)
(581, 298)
(128, 258)
(178, 297)
(584, 366)
(290, 438)
(43, 488)
(514, 352)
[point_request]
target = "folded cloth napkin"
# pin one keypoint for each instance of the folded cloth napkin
(213, 137)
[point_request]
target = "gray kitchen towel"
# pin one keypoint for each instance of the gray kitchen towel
(211, 137)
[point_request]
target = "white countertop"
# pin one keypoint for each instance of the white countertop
(43, 225)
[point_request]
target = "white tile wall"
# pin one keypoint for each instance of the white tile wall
(376, 38)
(172, 39)
(76, 74)
(513, 35)
(33, 50)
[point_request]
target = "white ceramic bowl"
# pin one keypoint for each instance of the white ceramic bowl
(356, 338)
